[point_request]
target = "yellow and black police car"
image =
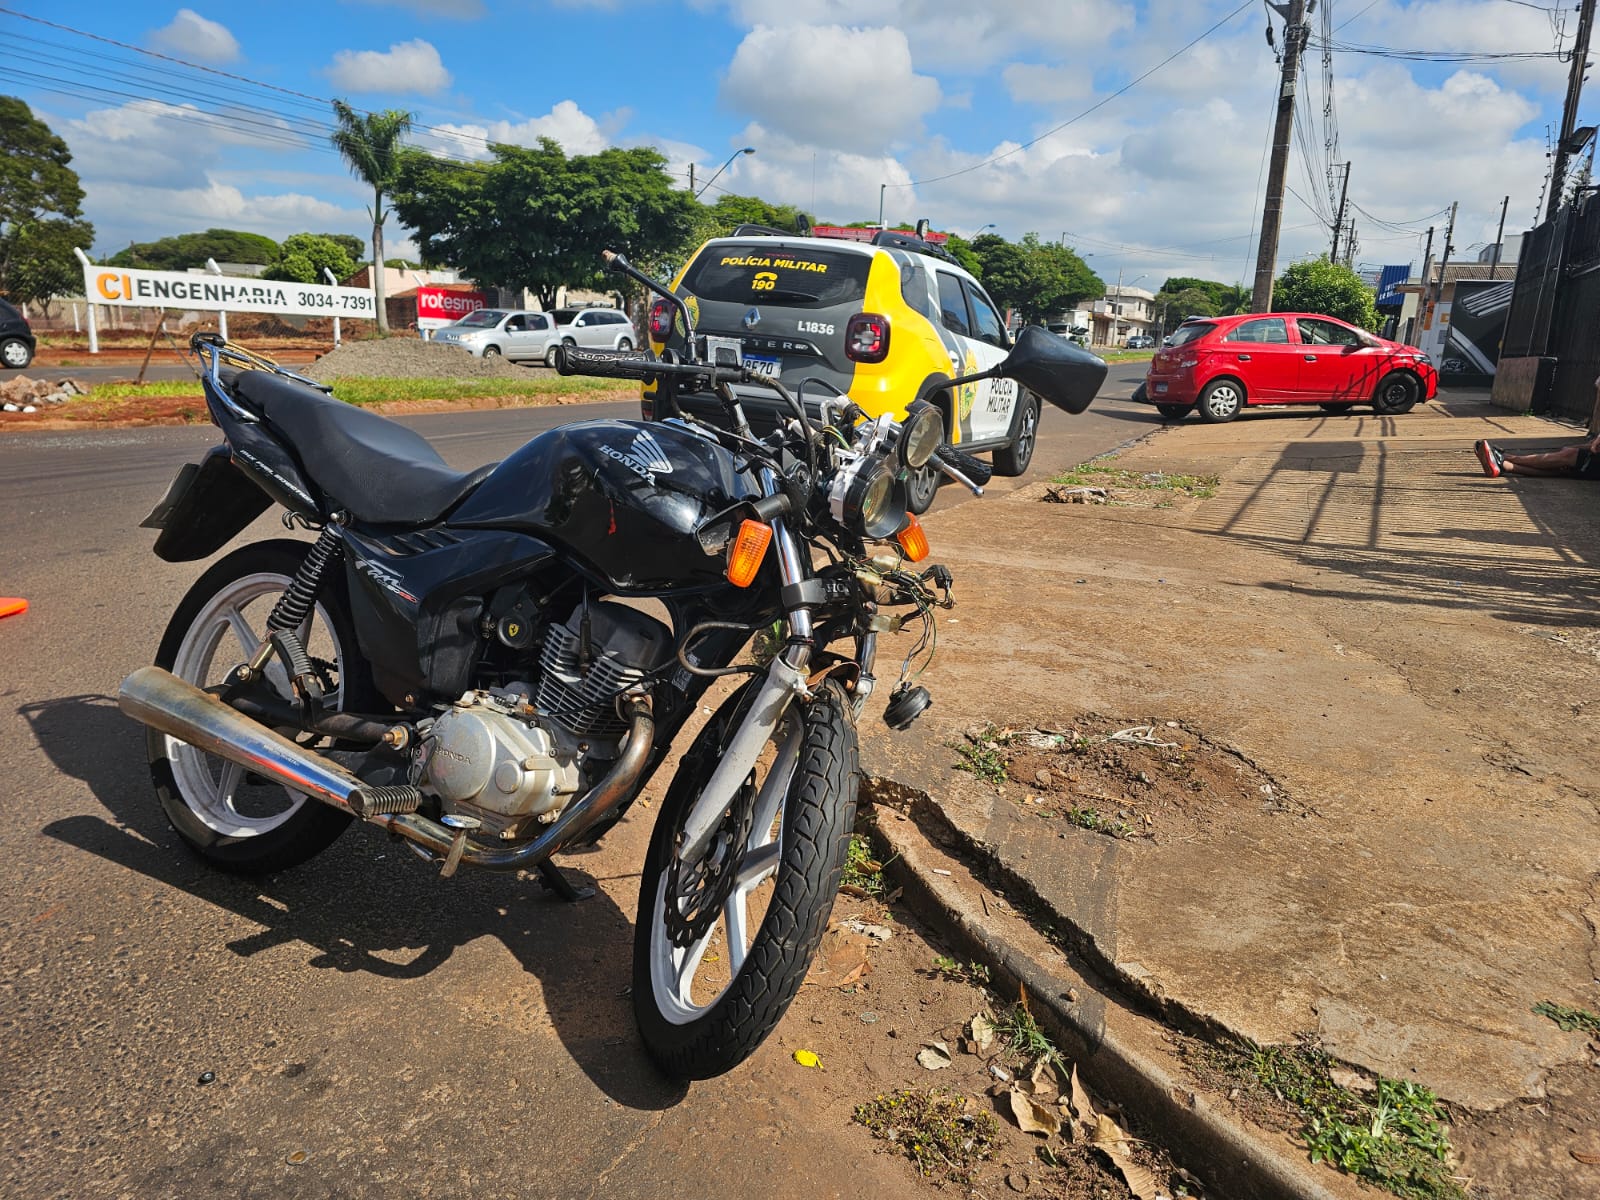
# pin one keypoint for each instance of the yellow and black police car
(877, 320)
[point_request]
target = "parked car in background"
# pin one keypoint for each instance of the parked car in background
(1222, 365)
(16, 338)
(596, 328)
(1141, 341)
(519, 335)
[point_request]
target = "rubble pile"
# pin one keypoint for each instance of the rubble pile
(26, 395)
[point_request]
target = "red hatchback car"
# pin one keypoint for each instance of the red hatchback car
(1221, 364)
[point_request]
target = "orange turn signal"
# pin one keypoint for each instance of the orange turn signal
(748, 549)
(913, 539)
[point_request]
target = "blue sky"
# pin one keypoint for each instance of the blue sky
(971, 114)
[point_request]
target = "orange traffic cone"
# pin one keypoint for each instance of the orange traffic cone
(10, 606)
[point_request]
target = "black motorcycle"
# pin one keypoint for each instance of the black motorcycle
(492, 665)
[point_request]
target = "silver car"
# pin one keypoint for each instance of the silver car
(519, 335)
(596, 328)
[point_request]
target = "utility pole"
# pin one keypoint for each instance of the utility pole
(691, 179)
(1295, 33)
(1500, 235)
(1344, 191)
(1569, 111)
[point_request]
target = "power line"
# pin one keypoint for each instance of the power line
(1086, 112)
(1444, 56)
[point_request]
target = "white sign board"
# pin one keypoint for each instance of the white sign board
(130, 288)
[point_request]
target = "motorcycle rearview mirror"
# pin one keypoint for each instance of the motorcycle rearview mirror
(618, 263)
(1060, 372)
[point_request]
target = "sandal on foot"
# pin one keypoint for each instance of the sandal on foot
(1489, 458)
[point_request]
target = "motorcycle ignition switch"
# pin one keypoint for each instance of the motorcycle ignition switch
(906, 704)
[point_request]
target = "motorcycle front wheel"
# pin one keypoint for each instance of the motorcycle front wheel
(722, 944)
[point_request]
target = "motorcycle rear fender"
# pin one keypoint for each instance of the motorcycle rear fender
(207, 504)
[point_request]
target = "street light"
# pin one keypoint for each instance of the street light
(980, 229)
(720, 170)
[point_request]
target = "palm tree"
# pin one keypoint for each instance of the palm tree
(370, 145)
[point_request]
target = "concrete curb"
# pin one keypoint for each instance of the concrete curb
(1119, 1052)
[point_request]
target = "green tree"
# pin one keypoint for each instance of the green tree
(370, 146)
(185, 250)
(533, 217)
(306, 254)
(1036, 278)
(40, 208)
(353, 246)
(1319, 286)
(730, 211)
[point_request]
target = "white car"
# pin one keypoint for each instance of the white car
(595, 328)
(519, 335)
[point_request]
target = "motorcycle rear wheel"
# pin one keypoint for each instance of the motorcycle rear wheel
(705, 1001)
(229, 817)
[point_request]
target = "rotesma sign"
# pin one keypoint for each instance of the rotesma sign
(438, 306)
(129, 288)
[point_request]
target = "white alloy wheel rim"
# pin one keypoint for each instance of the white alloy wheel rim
(16, 354)
(1224, 400)
(221, 636)
(687, 981)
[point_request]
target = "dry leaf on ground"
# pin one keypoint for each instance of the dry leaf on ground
(982, 1030)
(1111, 1141)
(1031, 1116)
(1081, 1107)
(935, 1057)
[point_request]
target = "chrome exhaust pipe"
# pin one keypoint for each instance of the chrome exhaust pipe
(177, 708)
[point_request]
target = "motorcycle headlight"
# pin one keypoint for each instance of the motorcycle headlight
(921, 434)
(867, 496)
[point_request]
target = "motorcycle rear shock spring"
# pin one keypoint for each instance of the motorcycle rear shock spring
(294, 606)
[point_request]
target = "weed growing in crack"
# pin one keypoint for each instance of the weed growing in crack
(1092, 820)
(861, 869)
(984, 757)
(956, 971)
(1568, 1018)
(1023, 1037)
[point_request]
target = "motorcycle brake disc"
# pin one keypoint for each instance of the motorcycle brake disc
(697, 890)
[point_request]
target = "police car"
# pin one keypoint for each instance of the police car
(877, 320)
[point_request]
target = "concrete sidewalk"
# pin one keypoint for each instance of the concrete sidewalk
(1409, 652)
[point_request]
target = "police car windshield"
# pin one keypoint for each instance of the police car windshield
(484, 318)
(759, 273)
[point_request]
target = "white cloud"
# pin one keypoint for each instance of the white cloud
(150, 141)
(566, 123)
(127, 212)
(412, 66)
(953, 33)
(853, 89)
(192, 36)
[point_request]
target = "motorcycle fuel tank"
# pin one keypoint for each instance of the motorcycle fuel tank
(624, 497)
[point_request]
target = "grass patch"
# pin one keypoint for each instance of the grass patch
(959, 972)
(861, 869)
(1393, 1136)
(1579, 1020)
(983, 756)
(942, 1134)
(362, 392)
(1092, 474)
(1092, 820)
(1023, 1037)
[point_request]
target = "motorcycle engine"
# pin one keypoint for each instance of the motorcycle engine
(518, 755)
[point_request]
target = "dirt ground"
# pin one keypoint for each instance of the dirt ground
(871, 1004)
(1129, 779)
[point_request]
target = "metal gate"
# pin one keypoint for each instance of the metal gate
(1555, 310)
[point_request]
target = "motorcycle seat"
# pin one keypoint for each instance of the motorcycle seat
(376, 469)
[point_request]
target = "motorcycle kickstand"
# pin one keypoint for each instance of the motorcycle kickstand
(552, 880)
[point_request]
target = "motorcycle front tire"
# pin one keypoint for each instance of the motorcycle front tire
(698, 1037)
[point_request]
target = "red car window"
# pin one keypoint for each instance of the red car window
(1264, 330)
(1191, 331)
(1316, 332)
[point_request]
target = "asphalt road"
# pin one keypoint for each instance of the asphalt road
(372, 1030)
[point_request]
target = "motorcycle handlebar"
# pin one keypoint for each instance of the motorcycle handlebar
(974, 469)
(640, 365)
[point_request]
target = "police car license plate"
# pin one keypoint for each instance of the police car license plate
(770, 367)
